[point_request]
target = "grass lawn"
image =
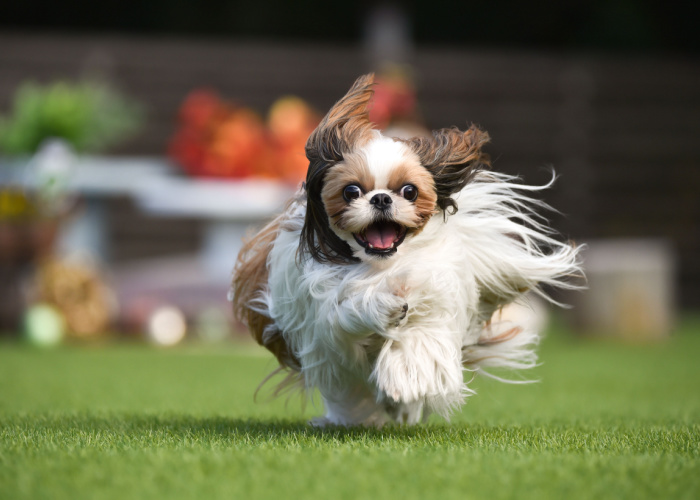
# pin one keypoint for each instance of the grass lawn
(607, 420)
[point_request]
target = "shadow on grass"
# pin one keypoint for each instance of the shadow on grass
(189, 427)
(139, 431)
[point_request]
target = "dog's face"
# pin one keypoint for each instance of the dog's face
(367, 194)
(378, 196)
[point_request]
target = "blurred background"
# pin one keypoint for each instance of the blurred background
(139, 144)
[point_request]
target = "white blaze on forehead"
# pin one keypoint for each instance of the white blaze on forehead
(382, 156)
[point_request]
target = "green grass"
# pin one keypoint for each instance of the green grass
(607, 420)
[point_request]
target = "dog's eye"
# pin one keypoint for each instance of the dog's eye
(352, 192)
(410, 192)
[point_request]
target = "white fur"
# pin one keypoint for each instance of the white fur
(346, 324)
(383, 154)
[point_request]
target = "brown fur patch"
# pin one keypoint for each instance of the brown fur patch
(452, 157)
(352, 171)
(416, 174)
(345, 128)
(249, 281)
(507, 335)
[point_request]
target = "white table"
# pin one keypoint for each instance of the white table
(228, 208)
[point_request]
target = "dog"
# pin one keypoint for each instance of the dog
(378, 283)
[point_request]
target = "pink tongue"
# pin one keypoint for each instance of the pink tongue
(381, 235)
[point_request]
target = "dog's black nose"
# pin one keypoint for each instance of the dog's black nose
(381, 201)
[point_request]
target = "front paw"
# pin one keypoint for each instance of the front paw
(385, 313)
(399, 311)
(398, 317)
(420, 370)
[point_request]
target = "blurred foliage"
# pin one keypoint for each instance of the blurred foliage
(90, 116)
(216, 138)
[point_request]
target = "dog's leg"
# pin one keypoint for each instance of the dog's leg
(341, 362)
(357, 406)
(421, 369)
(358, 315)
(406, 413)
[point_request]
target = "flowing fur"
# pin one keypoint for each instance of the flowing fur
(388, 339)
(345, 128)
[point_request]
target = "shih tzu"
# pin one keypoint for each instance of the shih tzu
(378, 283)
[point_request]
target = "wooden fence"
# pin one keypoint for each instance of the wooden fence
(623, 133)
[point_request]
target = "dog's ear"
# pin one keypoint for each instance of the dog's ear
(453, 158)
(344, 128)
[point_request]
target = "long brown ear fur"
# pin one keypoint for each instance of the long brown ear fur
(345, 127)
(249, 281)
(453, 158)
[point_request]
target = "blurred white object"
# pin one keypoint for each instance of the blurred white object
(229, 207)
(52, 167)
(44, 325)
(166, 326)
(630, 289)
(94, 180)
(530, 315)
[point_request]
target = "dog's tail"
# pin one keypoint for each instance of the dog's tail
(508, 340)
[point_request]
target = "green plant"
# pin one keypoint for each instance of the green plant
(90, 116)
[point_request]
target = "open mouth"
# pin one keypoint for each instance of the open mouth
(381, 238)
